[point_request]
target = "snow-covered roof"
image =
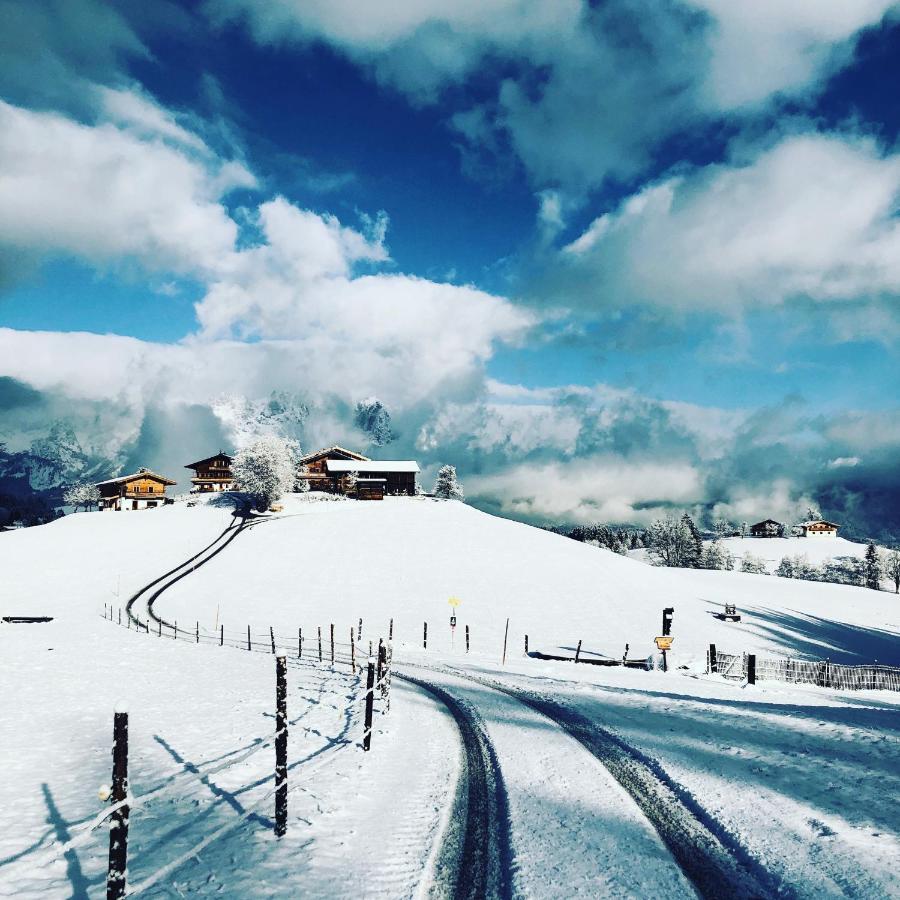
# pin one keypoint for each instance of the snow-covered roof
(372, 465)
(819, 522)
(143, 473)
(335, 449)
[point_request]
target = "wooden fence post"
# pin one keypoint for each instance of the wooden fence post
(359, 631)
(382, 667)
(352, 652)
(713, 659)
(578, 652)
(160, 628)
(320, 643)
(272, 638)
(299, 643)
(118, 820)
(391, 631)
(505, 636)
(222, 635)
(197, 632)
(526, 645)
(370, 700)
(332, 643)
(249, 647)
(281, 737)
(175, 630)
(467, 638)
(425, 636)
(751, 668)
(120, 615)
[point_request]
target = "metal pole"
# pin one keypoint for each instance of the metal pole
(505, 636)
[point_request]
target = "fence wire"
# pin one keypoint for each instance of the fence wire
(822, 673)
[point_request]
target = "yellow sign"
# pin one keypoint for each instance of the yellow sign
(454, 601)
(664, 643)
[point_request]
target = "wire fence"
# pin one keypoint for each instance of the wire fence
(823, 673)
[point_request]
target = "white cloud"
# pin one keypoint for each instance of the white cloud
(813, 217)
(107, 191)
(593, 489)
(844, 462)
(596, 86)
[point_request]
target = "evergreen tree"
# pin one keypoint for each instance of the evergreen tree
(447, 486)
(892, 568)
(693, 552)
(873, 567)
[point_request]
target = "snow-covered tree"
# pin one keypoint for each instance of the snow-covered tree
(745, 528)
(86, 495)
(785, 568)
(715, 556)
(693, 552)
(350, 479)
(813, 514)
(446, 485)
(723, 528)
(301, 485)
(265, 470)
(753, 564)
(671, 542)
(872, 567)
(892, 568)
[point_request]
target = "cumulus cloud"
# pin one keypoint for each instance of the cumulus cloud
(814, 217)
(108, 191)
(593, 88)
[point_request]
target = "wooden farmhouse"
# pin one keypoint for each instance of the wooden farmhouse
(212, 474)
(768, 528)
(341, 471)
(143, 490)
(819, 528)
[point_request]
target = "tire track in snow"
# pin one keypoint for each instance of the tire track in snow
(182, 570)
(474, 860)
(718, 866)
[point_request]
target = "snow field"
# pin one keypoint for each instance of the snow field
(403, 558)
(805, 778)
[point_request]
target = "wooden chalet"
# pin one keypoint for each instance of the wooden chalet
(374, 477)
(334, 468)
(142, 490)
(312, 467)
(768, 528)
(212, 474)
(819, 528)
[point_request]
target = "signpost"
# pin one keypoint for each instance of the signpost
(664, 643)
(453, 602)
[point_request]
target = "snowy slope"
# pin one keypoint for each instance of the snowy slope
(802, 777)
(319, 563)
(772, 550)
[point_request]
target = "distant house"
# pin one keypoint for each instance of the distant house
(819, 528)
(212, 474)
(768, 528)
(341, 471)
(142, 490)
(376, 477)
(312, 467)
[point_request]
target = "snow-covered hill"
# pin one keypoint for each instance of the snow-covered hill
(801, 777)
(773, 550)
(318, 563)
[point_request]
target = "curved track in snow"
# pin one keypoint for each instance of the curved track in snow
(474, 860)
(715, 862)
(146, 596)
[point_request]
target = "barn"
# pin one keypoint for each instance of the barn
(312, 467)
(374, 477)
(142, 490)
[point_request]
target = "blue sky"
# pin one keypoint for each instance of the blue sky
(686, 212)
